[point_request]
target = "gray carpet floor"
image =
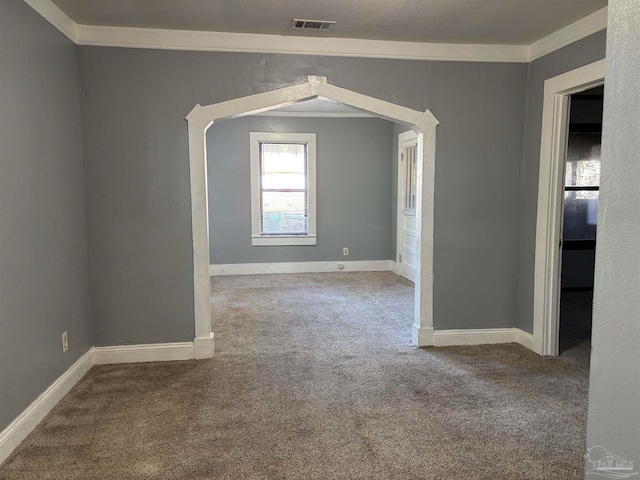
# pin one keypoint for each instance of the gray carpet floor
(315, 378)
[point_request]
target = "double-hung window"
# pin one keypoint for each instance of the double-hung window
(283, 188)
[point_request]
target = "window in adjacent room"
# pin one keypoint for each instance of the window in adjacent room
(411, 170)
(582, 187)
(283, 203)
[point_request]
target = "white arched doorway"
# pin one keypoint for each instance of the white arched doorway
(202, 117)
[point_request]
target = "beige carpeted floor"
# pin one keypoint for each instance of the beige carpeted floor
(315, 379)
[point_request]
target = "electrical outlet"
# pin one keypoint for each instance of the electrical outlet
(341, 266)
(65, 342)
(345, 251)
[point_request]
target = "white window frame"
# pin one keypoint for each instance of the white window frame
(257, 238)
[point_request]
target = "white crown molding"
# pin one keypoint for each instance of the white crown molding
(341, 47)
(56, 17)
(300, 267)
(571, 33)
(294, 45)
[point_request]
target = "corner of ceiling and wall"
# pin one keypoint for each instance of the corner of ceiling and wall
(152, 38)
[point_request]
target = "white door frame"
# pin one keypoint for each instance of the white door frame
(402, 138)
(201, 118)
(553, 147)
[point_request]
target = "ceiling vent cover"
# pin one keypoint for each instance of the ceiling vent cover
(313, 24)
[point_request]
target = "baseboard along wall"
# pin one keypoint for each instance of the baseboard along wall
(301, 267)
(24, 423)
(483, 336)
(18, 430)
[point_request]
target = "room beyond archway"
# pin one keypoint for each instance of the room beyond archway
(423, 123)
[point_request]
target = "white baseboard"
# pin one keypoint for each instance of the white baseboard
(154, 352)
(482, 336)
(301, 267)
(421, 336)
(204, 347)
(18, 430)
(525, 339)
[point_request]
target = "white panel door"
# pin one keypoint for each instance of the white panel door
(406, 238)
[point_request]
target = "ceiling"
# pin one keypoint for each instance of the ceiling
(510, 22)
(321, 107)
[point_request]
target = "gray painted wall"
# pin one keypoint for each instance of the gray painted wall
(136, 172)
(43, 248)
(137, 175)
(478, 163)
(353, 189)
(583, 52)
(614, 393)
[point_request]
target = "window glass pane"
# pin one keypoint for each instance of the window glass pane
(283, 166)
(580, 215)
(583, 160)
(284, 213)
(410, 180)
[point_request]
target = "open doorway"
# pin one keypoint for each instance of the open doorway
(547, 289)
(317, 240)
(202, 117)
(580, 215)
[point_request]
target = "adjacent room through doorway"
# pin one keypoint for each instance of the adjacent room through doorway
(580, 212)
(315, 187)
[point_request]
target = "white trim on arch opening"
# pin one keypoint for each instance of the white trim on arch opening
(555, 117)
(424, 123)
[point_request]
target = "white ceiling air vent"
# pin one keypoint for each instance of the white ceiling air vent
(313, 24)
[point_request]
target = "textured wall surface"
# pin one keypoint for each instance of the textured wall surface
(614, 394)
(578, 54)
(137, 175)
(43, 248)
(353, 189)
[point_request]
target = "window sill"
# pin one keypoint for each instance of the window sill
(266, 240)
